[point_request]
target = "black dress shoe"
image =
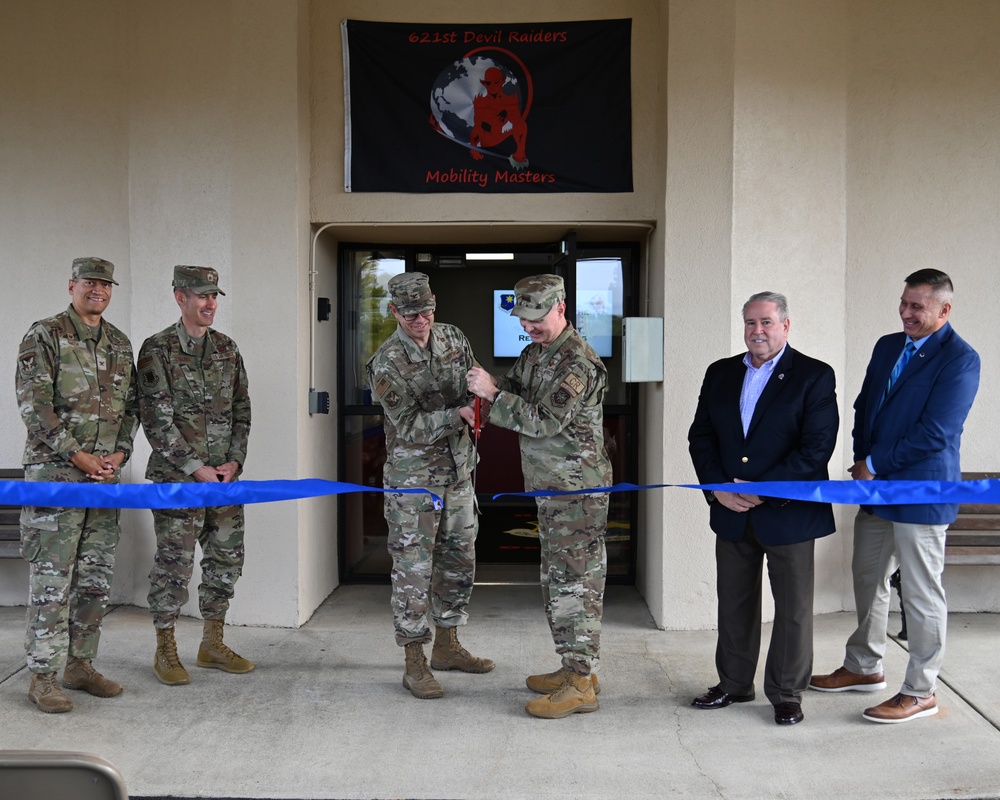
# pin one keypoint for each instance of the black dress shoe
(716, 698)
(788, 713)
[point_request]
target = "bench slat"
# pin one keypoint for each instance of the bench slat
(976, 522)
(977, 508)
(972, 556)
(973, 539)
(10, 549)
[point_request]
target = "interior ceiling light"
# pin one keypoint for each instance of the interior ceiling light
(489, 256)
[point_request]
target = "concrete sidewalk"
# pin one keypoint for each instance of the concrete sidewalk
(324, 715)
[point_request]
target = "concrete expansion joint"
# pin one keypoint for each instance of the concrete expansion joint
(655, 657)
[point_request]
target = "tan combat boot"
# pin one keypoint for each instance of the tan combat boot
(550, 682)
(166, 665)
(213, 653)
(418, 678)
(80, 674)
(47, 694)
(575, 696)
(448, 653)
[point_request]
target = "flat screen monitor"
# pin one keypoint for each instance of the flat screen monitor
(509, 338)
(593, 322)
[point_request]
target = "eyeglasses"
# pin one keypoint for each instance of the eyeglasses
(424, 314)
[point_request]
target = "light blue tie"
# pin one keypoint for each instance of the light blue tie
(897, 370)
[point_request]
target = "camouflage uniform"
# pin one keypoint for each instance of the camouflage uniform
(195, 411)
(76, 391)
(427, 445)
(553, 398)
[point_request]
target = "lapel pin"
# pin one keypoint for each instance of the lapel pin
(781, 377)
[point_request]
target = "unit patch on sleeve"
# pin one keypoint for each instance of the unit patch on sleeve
(560, 397)
(26, 360)
(151, 377)
(392, 400)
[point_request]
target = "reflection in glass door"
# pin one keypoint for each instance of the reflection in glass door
(600, 290)
(366, 322)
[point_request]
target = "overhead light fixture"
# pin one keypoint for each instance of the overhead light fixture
(489, 256)
(450, 262)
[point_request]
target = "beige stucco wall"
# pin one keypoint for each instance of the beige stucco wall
(923, 189)
(823, 149)
(64, 183)
(755, 201)
(158, 134)
(697, 225)
(837, 147)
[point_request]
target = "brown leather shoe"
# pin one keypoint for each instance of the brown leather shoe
(80, 674)
(902, 708)
(843, 680)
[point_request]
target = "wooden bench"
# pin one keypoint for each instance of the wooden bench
(974, 538)
(10, 526)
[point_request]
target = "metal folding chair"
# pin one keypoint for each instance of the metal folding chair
(57, 775)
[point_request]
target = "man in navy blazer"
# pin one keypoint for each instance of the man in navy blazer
(908, 421)
(767, 415)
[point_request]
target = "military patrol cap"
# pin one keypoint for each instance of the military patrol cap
(94, 268)
(536, 295)
(200, 280)
(410, 293)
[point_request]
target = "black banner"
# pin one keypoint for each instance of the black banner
(544, 107)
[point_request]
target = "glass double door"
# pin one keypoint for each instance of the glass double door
(473, 287)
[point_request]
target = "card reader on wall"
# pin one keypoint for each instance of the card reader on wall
(642, 349)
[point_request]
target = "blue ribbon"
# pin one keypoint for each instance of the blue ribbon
(862, 493)
(200, 495)
(177, 495)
